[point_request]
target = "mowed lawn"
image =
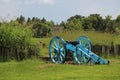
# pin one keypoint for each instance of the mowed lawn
(39, 70)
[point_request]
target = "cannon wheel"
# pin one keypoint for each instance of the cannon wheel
(85, 42)
(79, 56)
(57, 51)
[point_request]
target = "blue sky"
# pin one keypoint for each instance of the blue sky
(57, 10)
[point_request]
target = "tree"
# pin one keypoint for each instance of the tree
(118, 18)
(86, 23)
(97, 22)
(76, 17)
(109, 24)
(41, 30)
(43, 20)
(33, 19)
(28, 20)
(21, 19)
(117, 23)
(74, 24)
(63, 24)
(51, 23)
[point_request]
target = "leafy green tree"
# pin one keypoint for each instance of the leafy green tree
(21, 19)
(51, 23)
(41, 30)
(43, 20)
(33, 19)
(118, 18)
(97, 22)
(74, 24)
(28, 20)
(76, 17)
(86, 23)
(109, 24)
(117, 23)
(63, 24)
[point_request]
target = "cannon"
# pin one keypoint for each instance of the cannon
(81, 50)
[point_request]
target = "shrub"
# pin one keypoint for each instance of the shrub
(41, 30)
(15, 42)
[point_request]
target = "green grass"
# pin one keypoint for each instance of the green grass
(39, 70)
(95, 38)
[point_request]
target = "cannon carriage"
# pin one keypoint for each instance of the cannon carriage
(80, 49)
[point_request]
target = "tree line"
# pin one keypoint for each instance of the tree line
(93, 22)
(39, 27)
(42, 27)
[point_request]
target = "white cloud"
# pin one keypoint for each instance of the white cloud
(49, 1)
(8, 10)
(5, 1)
(13, 8)
(40, 2)
(27, 2)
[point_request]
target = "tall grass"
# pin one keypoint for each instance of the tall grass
(16, 43)
(95, 37)
(15, 36)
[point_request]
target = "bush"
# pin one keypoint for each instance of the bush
(41, 30)
(15, 42)
(15, 36)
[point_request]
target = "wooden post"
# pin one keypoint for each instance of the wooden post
(116, 50)
(103, 50)
(108, 51)
(119, 50)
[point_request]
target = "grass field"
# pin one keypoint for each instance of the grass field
(95, 38)
(39, 70)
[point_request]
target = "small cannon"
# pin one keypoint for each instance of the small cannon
(80, 49)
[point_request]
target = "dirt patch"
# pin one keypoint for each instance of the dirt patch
(114, 61)
(70, 62)
(46, 66)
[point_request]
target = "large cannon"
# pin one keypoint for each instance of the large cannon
(80, 49)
